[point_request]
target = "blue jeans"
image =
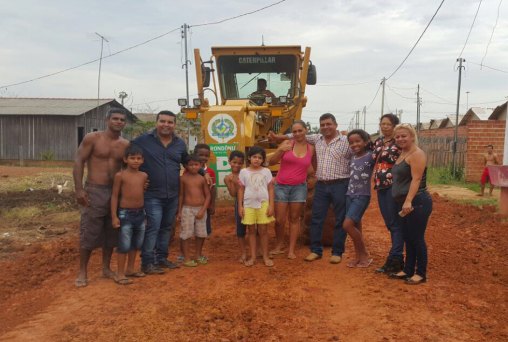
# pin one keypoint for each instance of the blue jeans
(160, 215)
(132, 229)
(390, 213)
(414, 225)
(324, 195)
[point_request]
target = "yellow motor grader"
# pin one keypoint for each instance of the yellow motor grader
(235, 114)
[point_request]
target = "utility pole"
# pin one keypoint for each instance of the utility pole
(418, 103)
(455, 135)
(185, 28)
(100, 66)
(122, 95)
(467, 100)
(364, 117)
(383, 97)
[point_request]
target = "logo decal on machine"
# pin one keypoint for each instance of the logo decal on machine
(222, 127)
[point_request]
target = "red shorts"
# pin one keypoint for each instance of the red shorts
(485, 176)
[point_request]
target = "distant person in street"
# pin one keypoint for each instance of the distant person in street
(163, 153)
(261, 89)
(232, 181)
(385, 155)
(414, 203)
(332, 172)
(128, 213)
(103, 153)
(194, 201)
(295, 158)
(489, 158)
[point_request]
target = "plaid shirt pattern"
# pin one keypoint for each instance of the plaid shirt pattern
(332, 159)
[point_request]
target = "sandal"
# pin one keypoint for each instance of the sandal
(190, 263)
(202, 260)
(123, 281)
(136, 275)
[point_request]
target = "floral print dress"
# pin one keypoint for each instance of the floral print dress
(385, 155)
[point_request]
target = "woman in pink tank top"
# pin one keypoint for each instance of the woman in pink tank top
(295, 157)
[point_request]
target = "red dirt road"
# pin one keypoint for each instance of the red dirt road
(464, 300)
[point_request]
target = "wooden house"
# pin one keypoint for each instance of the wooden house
(50, 128)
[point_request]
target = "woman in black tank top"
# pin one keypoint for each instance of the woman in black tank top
(409, 190)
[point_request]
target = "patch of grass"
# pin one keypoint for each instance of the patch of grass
(39, 181)
(480, 202)
(444, 176)
(23, 213)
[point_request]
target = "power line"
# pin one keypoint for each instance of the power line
(238, 16)
(343, 84)
(439, 97)
(396, 93)
(92, 61)
(471, 28)
(137, 45)
(414, 46)
(488, 67)
(492, 34)
(377, 92)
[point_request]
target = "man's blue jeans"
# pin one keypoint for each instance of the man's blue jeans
(324, 195)
(160, 215)
(390, 213)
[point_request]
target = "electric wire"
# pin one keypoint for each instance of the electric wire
(238, 16)
(414, 46)
(377, 92)
(439, 97)
(396, 93)
(489, 67)
(471, 28)
(343, 84)
(92, 61)
(493, 29)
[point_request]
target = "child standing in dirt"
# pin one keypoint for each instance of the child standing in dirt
(127, 213)
(256, 202)
(194, 199)
(203, 152)
(358, 194)
(232, 181)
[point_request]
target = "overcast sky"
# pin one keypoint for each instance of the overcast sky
(352, 42)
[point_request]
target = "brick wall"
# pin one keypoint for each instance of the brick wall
(480, 134)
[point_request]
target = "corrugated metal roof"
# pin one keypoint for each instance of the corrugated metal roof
(48, 106)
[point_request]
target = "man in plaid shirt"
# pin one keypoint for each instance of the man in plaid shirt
(333, 156)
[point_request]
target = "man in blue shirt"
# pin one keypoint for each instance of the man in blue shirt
(163, 152)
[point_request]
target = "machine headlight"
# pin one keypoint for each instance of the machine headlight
(182, 102)
(268, 100)
(283, 99)
(196, 102)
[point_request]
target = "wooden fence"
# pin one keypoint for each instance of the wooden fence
(439, 150)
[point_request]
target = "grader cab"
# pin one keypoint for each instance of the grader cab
(239, 113)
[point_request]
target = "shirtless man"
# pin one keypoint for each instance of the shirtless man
(102, 152)
(489, 158)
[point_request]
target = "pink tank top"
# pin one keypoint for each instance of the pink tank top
(293, 170)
